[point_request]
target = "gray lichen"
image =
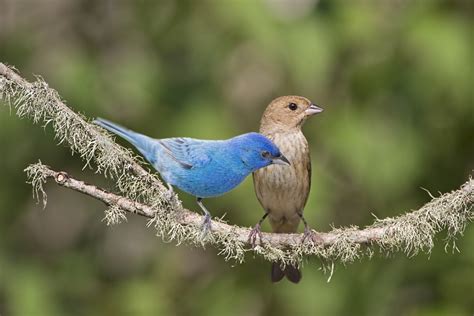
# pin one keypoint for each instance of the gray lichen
(114, 215)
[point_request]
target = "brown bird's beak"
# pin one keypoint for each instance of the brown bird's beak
(313, 109)
(281, 161)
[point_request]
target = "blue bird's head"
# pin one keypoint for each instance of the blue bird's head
(257, 151)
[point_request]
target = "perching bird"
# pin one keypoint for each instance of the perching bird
(283, 192)
(203, 168)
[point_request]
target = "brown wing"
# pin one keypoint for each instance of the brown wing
(308, 169)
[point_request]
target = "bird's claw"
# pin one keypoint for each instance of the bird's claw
(255, 233)
(311, 235)
(169, 195)
(206, 226)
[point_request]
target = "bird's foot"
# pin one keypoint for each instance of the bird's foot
(170, 195)
(312, 236)
(206, 226)
(255, 233)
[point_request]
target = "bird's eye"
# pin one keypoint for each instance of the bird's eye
(265, 154)
(292, 106)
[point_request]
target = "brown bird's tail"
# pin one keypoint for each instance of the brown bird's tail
(292, 273)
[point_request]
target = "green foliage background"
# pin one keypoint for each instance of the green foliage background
(395, 79)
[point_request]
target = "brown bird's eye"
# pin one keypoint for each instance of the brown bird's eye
(265, 154)
(293, 106)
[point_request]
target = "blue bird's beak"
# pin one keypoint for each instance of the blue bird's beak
(281, 160)
(313, 109)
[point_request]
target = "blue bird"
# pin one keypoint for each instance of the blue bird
(203, 168)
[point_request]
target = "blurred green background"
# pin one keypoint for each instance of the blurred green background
(395, 79)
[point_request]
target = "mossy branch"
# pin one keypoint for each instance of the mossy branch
(143, 193)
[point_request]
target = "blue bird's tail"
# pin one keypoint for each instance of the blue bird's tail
(143, 143)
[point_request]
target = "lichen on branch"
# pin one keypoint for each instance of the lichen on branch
(141, 192)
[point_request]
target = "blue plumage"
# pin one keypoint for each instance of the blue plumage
(203, 168)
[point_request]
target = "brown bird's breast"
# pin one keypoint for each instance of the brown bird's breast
(283, 190)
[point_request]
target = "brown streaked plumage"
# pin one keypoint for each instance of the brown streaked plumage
(282, 190)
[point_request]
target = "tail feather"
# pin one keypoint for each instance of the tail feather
(143, 143)
(292, 273)
(277, 272)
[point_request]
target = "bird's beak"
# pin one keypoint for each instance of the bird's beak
(313, 109)
(281, 161)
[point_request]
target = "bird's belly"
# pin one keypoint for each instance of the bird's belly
(281, 192)
(206, 183)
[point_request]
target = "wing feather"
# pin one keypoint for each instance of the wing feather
(188, 152)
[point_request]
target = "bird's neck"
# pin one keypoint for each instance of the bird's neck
(236, 150)
(270, 129)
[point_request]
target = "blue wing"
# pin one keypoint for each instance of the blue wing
(189, 153)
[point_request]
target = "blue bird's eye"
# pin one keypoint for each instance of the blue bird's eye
(265, 154)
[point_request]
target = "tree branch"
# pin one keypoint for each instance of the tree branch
(37, 101)
(143, 193)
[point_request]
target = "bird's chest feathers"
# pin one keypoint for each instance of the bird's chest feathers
(295, 149)
(286, 187)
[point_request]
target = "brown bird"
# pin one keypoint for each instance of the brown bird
(282, 190)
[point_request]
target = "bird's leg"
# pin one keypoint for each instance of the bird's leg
(206, 224)
(257, 232)
(308, 232)
(170, 191)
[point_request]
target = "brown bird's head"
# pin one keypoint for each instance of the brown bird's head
(288, 112)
